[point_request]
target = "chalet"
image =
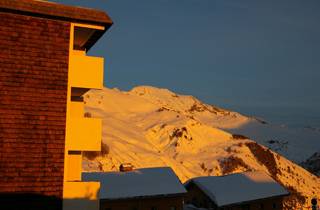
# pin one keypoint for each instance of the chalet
(140, 189)
(44, 71)
(241, 191)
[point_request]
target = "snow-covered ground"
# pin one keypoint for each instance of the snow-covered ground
(152, 127)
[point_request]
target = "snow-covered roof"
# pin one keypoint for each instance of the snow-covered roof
(240, 187)
(143, 182)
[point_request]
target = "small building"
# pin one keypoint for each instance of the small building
(241, 191)
(126, 167)
(140, 189)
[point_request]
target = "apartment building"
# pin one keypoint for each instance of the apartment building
(44, 71)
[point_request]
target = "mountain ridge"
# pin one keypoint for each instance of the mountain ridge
(152, 127)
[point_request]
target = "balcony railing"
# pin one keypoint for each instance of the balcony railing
(86, 71)
(84, 134)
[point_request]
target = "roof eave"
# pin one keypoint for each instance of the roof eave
(56, 11)
(97, 35)
(60, 12)
(249, 201)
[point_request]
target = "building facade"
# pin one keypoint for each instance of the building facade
(174, 202)
(200, 199)
(44, 70)
(254, 190)
(139, 189)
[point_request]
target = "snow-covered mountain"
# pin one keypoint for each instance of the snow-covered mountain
(151, 127)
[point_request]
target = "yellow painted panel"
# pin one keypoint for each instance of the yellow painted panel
(78, 52)
(89, 26)
(84, 134)
(74, 166)
(86, 71)
(76, 109)
(81, 195)
(81, 190)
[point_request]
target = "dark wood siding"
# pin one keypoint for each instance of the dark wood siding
(198, 198)
(33, 93)
(263, 204)
(155, 203)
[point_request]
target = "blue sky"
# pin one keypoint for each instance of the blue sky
(244, 55)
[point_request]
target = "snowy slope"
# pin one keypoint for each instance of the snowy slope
(151, 127)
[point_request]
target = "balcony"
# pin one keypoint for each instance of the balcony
(76, 109)
(73, 162)
(81, 195)
(83, 134)
(86, 71)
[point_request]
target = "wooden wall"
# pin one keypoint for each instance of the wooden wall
(33, 93)
(156, 203)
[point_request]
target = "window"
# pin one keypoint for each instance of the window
(274, 205)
